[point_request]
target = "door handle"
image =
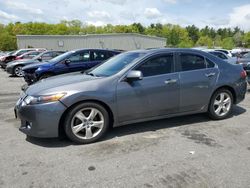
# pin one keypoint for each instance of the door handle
(170, 81)
(210, 74)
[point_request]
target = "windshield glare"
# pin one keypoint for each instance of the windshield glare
(61, 57)
(116, 64)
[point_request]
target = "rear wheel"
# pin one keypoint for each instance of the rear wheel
(46, 75)
(18, 71)
(221, 104)
(86, 123)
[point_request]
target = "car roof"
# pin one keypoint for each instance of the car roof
(97, 49)
(158, 50)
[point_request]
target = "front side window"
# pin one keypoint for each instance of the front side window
(80, 57)
(157, 66)
(192, 62)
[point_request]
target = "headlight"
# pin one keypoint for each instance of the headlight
(29, 100)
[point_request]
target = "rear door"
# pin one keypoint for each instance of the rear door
(198, 77)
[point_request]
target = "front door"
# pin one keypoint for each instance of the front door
(155, 95)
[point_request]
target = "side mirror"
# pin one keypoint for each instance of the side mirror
(39, 58)
(134, 75)
(67, 61)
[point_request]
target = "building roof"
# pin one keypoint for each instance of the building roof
(97, 35)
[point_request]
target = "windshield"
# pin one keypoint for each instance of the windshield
(61, 57)
(116, 64)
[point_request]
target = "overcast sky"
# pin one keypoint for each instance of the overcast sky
(214, 13)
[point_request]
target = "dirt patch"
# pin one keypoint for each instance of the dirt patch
(200, 138)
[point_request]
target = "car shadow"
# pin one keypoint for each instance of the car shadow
(13, 76)
(135, 128)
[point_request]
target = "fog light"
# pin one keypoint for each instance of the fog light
(28, 125)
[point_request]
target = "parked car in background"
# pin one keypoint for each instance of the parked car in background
(245, 60)
(10, 57)
(248, 72)
(72, 61)
(131, 87)
(28, 55)
(224, 56)
(15, 67)
(228, 52)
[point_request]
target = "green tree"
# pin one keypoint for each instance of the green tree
(228, 43)
(193, 33)
(7, 42)
(205, 41)
(246, 40)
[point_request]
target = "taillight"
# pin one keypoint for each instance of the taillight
(243, 74)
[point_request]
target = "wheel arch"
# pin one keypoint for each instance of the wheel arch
(229, 88)
(61, 131)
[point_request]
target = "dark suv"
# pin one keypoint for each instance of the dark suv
(72, 61)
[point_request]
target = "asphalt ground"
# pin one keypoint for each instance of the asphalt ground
(189, 151)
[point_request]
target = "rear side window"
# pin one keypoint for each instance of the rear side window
(209, 63)
(191, 62)
(99, 56)
(157, 65)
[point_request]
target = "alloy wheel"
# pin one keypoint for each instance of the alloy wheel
(222, 104)
(87, 123)
(19, 71)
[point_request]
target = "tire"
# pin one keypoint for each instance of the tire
(87, 128)
(44, 76)
(18, 71)
(221, 104)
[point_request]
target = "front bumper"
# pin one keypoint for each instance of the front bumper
(2, 64)
(9, 70)
(29, 78)
(40, 120)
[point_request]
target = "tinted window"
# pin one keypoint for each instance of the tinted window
(79, 57)
(158, 65)
(220, 55)
(192, 62)
(209, 63)
(47, 56)
(99, 56)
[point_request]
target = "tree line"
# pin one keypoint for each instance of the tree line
(176, 36)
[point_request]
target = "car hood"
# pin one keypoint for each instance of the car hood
(21, 62)
(33, 66)
(61, 83)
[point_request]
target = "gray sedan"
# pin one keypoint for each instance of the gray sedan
(131, 87)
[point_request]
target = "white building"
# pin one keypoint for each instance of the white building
(123, 41)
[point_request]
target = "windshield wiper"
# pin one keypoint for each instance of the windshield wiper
(89, 73)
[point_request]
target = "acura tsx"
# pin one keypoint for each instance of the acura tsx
(131, 87)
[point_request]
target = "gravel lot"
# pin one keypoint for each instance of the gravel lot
(190, 151)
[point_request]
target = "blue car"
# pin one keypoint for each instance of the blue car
(72, 61)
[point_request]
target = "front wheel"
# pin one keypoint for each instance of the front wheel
(18, 71)
(221, 104)
(86, 123)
